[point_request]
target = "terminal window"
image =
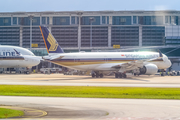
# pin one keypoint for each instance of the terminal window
(43, 20)
(15, 20)
(153, 19)
(63, 20)
(123, 20)
(34, 20)
(94, 20)
(5, 21)
(166, 19)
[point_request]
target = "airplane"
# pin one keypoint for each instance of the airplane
(12, 56)
(120, 63)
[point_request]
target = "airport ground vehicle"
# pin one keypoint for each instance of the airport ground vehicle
(50, 70)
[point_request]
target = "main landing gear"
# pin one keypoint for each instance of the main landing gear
(97, 75)
(120, 75)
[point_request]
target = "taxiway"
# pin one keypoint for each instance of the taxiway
(75, 80)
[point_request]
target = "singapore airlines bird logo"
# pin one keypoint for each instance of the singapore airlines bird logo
(52, 42)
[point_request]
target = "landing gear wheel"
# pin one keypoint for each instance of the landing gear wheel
(116, 75)
(120, 75)
(93, 75)
(101, 75)
(97, 75)
(124, 75)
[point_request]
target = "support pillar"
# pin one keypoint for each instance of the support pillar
(40, 20)
(109, 31)
(109, 36)
(46, 20)
(50, 20)
(140, 36)
(131, 20)
(70, 20)
(100, 20)
(21, 37)
(137, 20)
(79, 34)
(11, 20)
(164, 19)
(76, 20)
(110, 20)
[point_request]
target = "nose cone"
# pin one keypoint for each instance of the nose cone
(169, 64)
(36, 62)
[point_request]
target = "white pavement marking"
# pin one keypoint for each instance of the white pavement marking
(94, 84)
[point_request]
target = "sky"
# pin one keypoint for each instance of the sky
(86, 5)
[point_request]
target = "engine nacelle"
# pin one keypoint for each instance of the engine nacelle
(149, 69)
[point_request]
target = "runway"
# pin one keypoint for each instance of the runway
(95, 108)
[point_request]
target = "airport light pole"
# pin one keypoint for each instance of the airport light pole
(91, 20)
(31, 19)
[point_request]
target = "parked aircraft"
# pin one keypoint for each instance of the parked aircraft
(11, 56)
(100, 62)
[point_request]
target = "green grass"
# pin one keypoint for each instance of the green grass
(10, 113)
(90, 92)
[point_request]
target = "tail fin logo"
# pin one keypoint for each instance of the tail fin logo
(52, 42)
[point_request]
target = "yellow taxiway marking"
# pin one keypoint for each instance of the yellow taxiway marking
(44, 113)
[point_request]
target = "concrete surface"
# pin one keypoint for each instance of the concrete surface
(74, 80)
(95, 108)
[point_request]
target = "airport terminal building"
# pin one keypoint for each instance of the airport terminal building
(92, 30)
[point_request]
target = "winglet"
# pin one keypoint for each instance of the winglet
(17, 52)
(50, 42)
(160, 54)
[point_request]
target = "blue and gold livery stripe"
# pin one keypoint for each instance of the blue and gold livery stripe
(51, 44)
(11, 58)
(90, 61)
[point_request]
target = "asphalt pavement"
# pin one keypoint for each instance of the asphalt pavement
(97, 108)
(92, 108)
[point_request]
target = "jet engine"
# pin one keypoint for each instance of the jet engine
(149, 69)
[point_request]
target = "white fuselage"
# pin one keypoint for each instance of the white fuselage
(24, 61)
(9, 58)
(103, 61)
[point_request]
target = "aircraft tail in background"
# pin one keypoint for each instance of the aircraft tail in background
(51, 44)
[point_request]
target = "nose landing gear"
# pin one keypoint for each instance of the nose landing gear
(101, 75)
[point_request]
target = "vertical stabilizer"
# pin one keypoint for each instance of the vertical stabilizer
(50, 42)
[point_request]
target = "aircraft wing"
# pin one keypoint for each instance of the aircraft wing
(59, 57)
(54, 57)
